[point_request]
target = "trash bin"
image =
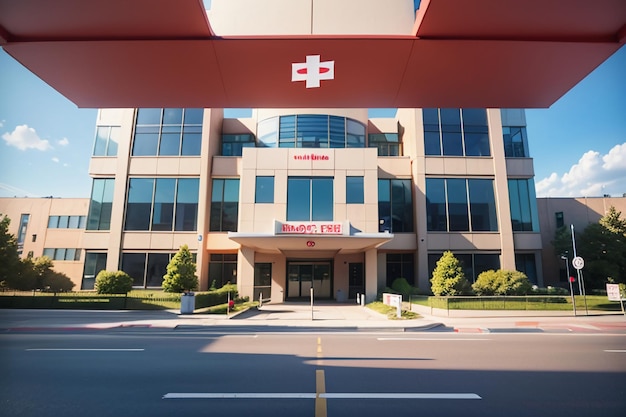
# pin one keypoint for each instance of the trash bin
(187, 303)
(341, 296)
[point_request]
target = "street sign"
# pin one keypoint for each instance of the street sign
(612, 291)
(578, 262)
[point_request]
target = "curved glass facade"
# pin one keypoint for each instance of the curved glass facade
(311, 131)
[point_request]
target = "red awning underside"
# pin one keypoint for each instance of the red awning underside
(162, 53)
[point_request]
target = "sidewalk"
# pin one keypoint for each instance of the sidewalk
(326, 316)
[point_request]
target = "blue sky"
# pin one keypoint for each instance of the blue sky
(578, 145)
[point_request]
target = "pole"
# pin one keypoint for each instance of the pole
(312, 318)
(569, 279)
(581, 286)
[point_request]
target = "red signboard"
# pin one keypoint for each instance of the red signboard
(312, 228)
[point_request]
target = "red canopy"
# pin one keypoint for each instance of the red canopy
(163, 53)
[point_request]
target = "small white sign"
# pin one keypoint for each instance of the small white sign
(578, 262)
(612, 291)
(393, 300)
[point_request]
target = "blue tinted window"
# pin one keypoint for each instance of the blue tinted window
(193, 116)
(224, 205)
(163, 208)
(311, 131)
(148, 116)
(457, 205)
(169, 138)
(264, 190)
(299, 199)
(524, 216)
(354, 190)
(309, 199)
(436, 212)
(139, 203)
(99, 217)
(395, 206)
(482, 205)
(172, 116)
(456, 132)
(187, 204)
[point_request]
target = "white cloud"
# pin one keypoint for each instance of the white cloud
(55, 159)
(63, 142)
(24, 137)
(593, 175)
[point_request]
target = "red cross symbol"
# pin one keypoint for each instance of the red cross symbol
(313, 71)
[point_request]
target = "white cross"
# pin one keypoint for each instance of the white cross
(313, 71)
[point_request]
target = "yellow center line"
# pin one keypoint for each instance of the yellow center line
(320, 388)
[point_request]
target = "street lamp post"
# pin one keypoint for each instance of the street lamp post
(569, 279)
(581, 284)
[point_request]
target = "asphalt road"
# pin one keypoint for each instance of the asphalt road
(159, 372)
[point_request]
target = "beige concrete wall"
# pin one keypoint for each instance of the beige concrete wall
(38, 237)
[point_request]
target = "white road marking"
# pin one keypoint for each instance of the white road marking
(312, 395)
(222, 395)
(85, 350)
(616, 350)
(384, 339)
(404, 396)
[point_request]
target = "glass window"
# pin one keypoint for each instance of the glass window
(264, 192)
(311, 131)
(299, 199)
(395, 206)
(224, 205)
(134, 264)
(94, 263)
(524, 216)
(156, 268)
(451, 132)
(436, 212)
(53, 222)
(64, 222)
(148, 116)
(525, 262)
(400, 265)
(73, 222)
(232, 145)
(222, 269)
(172, 116)
(355, 190)
(388, 144)
(451, 201)
(515, 141)
(139, 203)
(309, 199)
(102, 137)
(482, 205)
(559, 218)
(193, 116)
(145, 144)
(456, 132)
(49, 252)
(192, 143)
(170, 144)
(457, 205)
(163, 208)
(187, 204)
(70, 254)
(99, 217)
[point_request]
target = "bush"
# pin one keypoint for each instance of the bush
(215, 297)
(113, 282)
(402, 286)
(181, 272)
(58, 282)
(448, 277)
(502, 282)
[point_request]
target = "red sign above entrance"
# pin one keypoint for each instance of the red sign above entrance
(311, 228)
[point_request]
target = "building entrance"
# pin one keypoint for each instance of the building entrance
(302, 275)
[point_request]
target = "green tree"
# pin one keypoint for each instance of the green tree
(113, 282)
(448, 277)
(9, 258)
(181, 272)
(613, 222)
(502, 282)
(57, 282)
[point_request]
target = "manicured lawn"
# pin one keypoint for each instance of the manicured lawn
(391, 312)
(556, 303)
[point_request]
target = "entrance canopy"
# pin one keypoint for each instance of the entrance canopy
(161, 53)
(312, 245)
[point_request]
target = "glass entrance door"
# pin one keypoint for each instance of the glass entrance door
(302, 276)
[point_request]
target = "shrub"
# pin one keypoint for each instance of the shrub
(113, 282)
(502, 282)
(215, 297)
(58, 282)
(402, 286)
(181, 272)
(448, 277)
